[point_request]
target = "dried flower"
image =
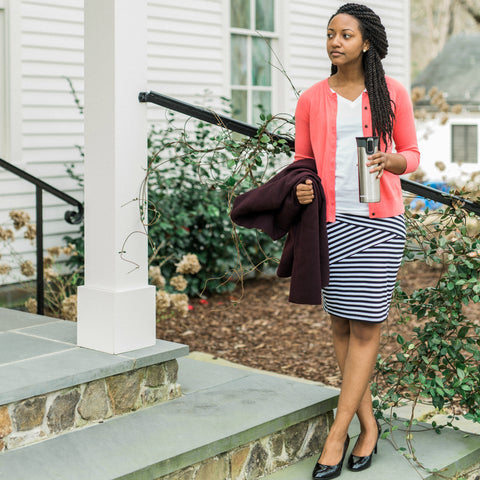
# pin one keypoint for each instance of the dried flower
(30, 232)
(162, 301)
(5, 269)
(69, 308)
(69, 249)
(444, 119)
(421, 114)
(180, 303)
(47, 261)
(417, 94)
(188, 264)
(457, 109)
(419, 205)
(178, 283)
(54, 251)
(31, 305)
(156, 277)
(438, 99)
(444, 107)
(20, 218)
(27, 268)
(6, 234)
(417, 176)
(440, 165)
(50, 273)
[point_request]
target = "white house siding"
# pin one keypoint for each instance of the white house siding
(51, 49)
(187, 51)
(305, 29)
(188, 58)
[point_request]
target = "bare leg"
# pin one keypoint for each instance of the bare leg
(368, 426)
(356, 346)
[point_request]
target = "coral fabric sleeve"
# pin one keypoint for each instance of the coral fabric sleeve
(303, 145)
(404, 134)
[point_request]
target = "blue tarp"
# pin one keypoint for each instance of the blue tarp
(430, 204)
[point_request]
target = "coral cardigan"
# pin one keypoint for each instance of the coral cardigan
(315, 137)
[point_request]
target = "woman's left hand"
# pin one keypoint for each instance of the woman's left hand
(379, 162)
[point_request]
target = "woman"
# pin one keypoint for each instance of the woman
(365, 241)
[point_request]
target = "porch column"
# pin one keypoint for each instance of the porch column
(116, 307)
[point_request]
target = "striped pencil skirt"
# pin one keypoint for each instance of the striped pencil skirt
(365, 255)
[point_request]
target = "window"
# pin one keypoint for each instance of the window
(464, 143)
(252, 31)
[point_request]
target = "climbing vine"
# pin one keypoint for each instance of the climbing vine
(440, 363)
(194, 174)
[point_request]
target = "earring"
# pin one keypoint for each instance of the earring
(364, 50)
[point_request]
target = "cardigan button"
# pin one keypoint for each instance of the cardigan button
(366, 108)
(366, 126)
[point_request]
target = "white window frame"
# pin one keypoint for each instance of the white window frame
(275, 45)
(11, 150)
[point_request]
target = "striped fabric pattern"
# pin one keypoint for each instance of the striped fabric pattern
(365, 255)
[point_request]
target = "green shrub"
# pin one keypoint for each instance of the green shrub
(192, 180)
(440, 363)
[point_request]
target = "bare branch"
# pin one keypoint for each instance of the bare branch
(473, 10)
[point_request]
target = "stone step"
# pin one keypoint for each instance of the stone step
(49, 385)
(39, 354)
(451, 451)
(230, 423)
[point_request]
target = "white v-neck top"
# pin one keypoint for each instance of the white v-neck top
(349, 126)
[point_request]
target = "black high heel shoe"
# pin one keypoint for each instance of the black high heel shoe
(330, 471)
(356, 464)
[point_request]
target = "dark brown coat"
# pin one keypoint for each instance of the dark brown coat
(274, 209)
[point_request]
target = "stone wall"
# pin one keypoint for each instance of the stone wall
(262, 456)
(472, 473)
(45, 416)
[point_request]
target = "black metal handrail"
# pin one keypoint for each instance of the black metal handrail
(72, 217)
(250, 131)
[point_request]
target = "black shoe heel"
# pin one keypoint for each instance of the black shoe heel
(357, 464)
(326, 472)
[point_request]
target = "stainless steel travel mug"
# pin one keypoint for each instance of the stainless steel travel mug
(368, 183)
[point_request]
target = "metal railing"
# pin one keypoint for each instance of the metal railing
(251, 131)
(72, 217)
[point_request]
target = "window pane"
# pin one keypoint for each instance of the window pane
(261, 69)
(239, 60)
(261, 103)
(464, 144)
(239, 105)
(264, 15)
(240, 13)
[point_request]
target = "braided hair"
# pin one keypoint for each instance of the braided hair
(380, 103)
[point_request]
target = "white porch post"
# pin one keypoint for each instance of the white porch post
(116, 307)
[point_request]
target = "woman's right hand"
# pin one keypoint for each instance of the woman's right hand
(305, 192)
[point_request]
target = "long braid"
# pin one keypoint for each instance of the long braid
(372, 29)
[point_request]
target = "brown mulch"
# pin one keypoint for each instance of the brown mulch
(259, 328)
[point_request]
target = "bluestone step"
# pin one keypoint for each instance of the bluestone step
(39, 354)
(454, 451)
(223, 408)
